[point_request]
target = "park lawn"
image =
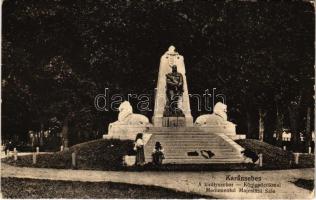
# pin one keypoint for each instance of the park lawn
(275, 157)
(99, 154)
(105, 154)
(31, 188)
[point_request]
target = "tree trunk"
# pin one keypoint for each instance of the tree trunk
(308, 129)
(41, 135)
(293, 114)
(249, 125)
(279, 128)
(261, 124)
(64, 132)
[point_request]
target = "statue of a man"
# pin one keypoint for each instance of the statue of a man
(174, 90)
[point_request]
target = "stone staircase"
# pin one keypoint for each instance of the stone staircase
(178, 141)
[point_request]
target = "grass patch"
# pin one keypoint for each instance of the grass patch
(31, 188)
(97, 154)
(306, 184)
(108, 155)
(275, 157)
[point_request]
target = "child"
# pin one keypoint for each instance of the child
(139, 148)
(158, 155)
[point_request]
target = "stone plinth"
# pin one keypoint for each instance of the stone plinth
(128, 124)
(173, 121)
(228, 129)
(125, 131)
(218, 123)
(170, 58)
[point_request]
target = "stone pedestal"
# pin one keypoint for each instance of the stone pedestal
(227, 129)
(218, 123)
(173, 122)
(128, 124)
(125, 131)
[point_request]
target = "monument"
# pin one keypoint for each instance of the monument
(209, 140)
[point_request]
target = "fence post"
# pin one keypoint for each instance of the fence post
(73, 159)
(284, 148)
(15, 154)
(296, 158)
(260, 160)
(309, 150)
(34, 158)
(37, 150)
(8, 151)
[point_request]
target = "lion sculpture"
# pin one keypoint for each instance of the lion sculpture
(126, 115)
(218, 117)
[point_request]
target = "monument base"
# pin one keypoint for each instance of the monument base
(228, 129)
(173, 121)
(218, 123)
(125, 131)
(160, 121)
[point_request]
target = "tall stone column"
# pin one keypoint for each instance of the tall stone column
(170, 58)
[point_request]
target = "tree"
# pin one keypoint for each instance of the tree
(57, 55)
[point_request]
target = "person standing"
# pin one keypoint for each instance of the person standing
(158, 155)
(139, 148)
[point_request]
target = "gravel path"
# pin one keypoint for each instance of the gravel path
(197, 182)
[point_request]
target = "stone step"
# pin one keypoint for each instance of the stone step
(180, 133)
(185, 151)
(192, 147)
(202, 158)
(201, 161)
(179, 153)
(191, 137)
(185, 142)
(178, 143)
(174, 129)
(184, 155)
(197, 137)
(183, 134)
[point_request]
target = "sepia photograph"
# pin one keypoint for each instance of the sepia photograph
(161, 99)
